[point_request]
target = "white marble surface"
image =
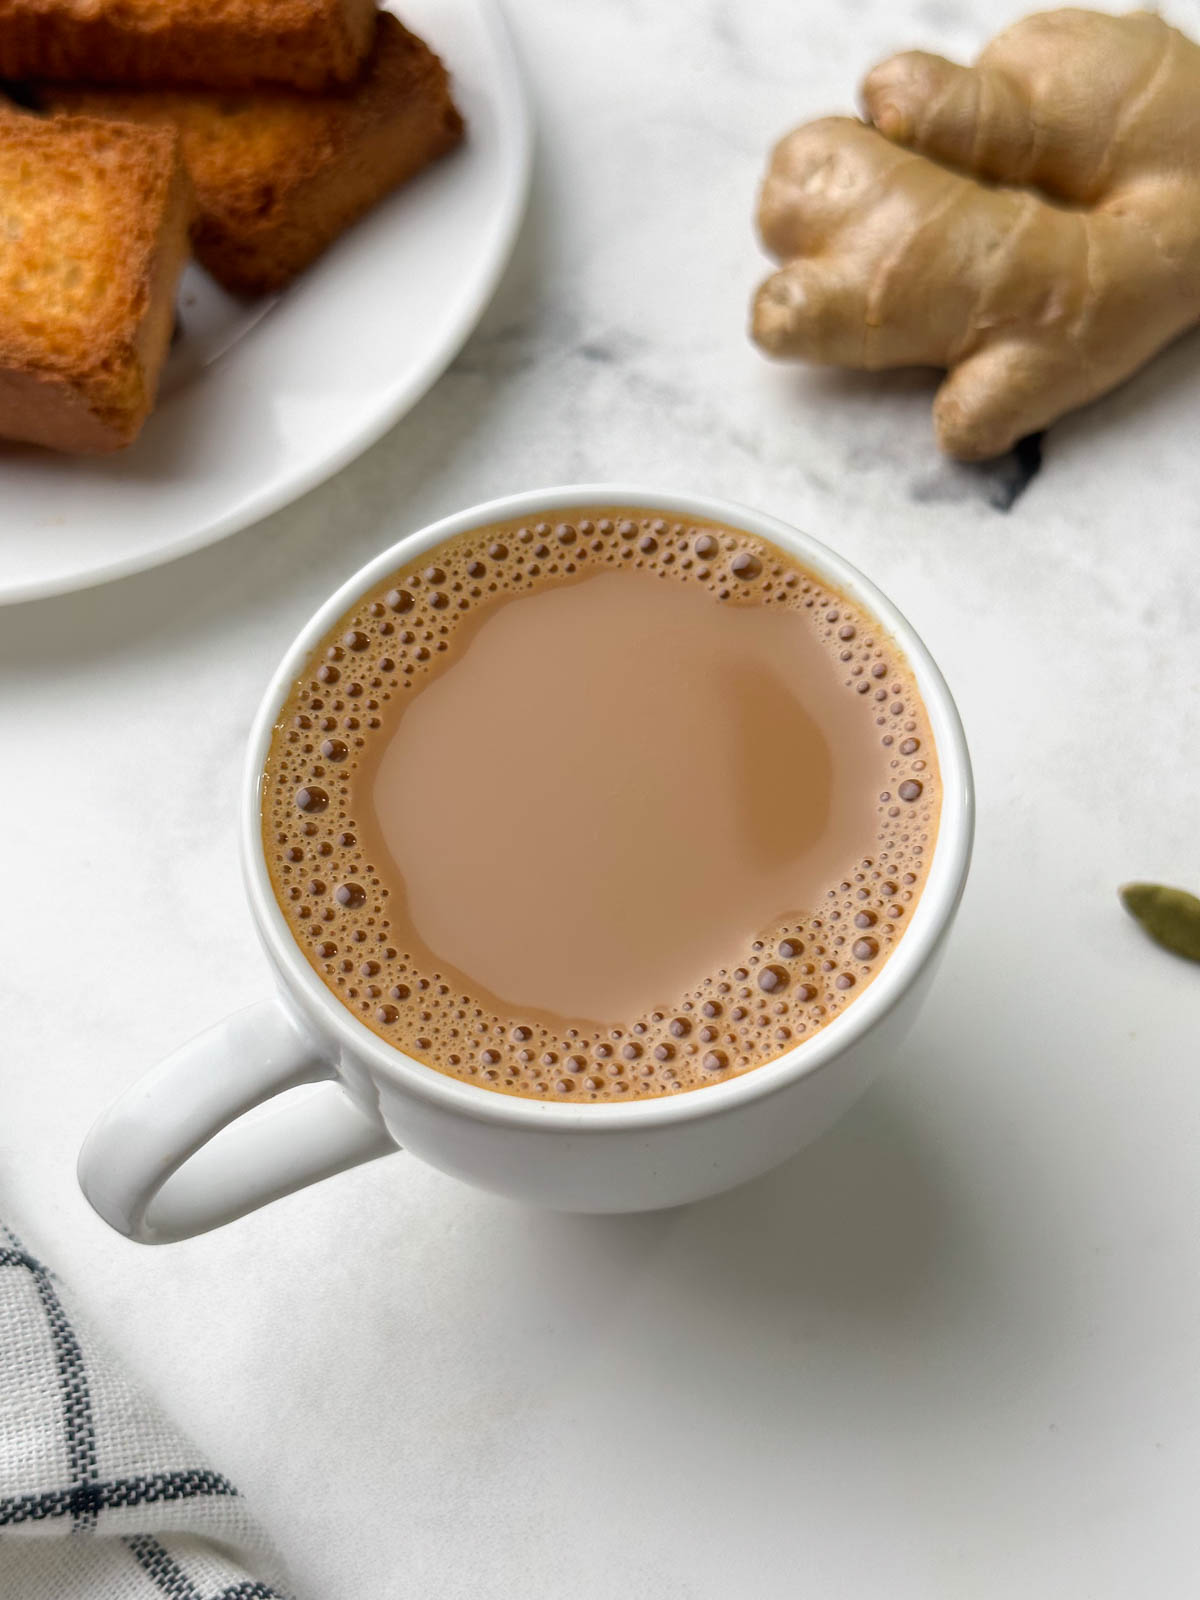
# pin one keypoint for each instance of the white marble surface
(953, 1349)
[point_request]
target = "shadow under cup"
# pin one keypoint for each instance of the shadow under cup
(176, 1154)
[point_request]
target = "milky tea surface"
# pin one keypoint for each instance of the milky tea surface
(601, 808)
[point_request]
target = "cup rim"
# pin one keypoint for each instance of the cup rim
(930, 920)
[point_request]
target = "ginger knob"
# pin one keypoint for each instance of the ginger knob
(1030, 224)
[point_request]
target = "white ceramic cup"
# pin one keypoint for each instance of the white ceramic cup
(296, 1088)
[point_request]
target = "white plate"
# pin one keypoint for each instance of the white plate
(263, 401)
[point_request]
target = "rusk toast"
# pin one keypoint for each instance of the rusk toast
(93, 235)
(310, 44)
(278, 176)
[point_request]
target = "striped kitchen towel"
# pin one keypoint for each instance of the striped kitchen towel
(101, 1498)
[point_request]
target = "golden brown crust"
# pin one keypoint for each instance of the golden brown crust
(94, 218)
(310, 44)
(278, 176)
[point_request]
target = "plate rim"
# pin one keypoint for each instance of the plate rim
(294, 485)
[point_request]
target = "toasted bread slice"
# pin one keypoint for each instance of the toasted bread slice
(279, 175)
(310, 44)
(93, 235)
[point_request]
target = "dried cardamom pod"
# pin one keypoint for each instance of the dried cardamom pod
(1170, 916)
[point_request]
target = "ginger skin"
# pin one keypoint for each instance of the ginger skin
(1036, 297)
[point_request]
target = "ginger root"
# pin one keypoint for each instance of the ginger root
(1031, 223)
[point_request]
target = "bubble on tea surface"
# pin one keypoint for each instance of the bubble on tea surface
(779, 989)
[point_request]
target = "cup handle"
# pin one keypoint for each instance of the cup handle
(175, 1155)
